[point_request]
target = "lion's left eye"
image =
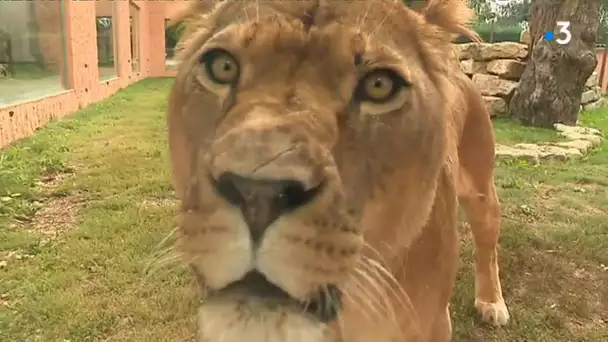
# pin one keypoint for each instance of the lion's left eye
(379, 86)
(221, 66)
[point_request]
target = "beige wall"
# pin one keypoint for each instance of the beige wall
(104, 8)
(22, 119)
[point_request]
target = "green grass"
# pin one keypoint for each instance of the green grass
(104, 173)
(509, 132)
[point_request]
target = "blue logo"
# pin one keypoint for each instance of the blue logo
(549, 35)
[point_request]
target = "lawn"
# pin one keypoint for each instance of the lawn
(86, 203)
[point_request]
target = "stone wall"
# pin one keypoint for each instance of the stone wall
(496, 69)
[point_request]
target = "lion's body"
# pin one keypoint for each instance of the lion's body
(384, 227)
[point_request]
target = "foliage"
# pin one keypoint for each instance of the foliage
(172, 34)
(502, 33)
(482, 9)
(103, 23)
(515, 12)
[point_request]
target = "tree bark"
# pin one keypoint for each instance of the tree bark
(550, 88)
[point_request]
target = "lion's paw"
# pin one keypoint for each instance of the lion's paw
(496, 314)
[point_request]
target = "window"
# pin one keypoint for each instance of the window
(172, 34)
(106, 40)
(134, 28)
(32, 50)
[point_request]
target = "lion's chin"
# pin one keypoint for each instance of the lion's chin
(256, 320)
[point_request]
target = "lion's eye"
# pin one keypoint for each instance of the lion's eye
(221, 66)
(380, 86)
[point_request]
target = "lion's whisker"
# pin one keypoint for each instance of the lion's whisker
(355, 303)
(246, 11)
(161, 259)
(306, 305)
(373, 33)
(364, 17)
(397, 290)
(368, 299)
(378, 254)
(384, 274)
(382, 295)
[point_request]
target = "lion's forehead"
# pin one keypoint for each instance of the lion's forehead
(388, 21)
(334, 32)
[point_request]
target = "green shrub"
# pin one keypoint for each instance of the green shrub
(172, 34)
(501, 33)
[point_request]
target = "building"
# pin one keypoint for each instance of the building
(57, 56)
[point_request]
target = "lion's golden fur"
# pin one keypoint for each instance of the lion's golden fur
(384, 228)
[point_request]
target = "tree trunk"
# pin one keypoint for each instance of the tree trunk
(550, 88)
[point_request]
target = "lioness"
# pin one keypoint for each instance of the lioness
(320, 149)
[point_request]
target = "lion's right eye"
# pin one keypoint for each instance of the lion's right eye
(221, 66)
(380, 86)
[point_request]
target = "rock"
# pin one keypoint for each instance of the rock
(590, 96)
(470, 67)
(550, 152)
(598, 90)
(495, 105)
(582, 139)
(491, 85)
(592, 81)
(504, 152)
(582, 145)
(524, 37)
(463, 51)
(568, 131)
(580, 133)
(488, 51)
(600, 103)
(467, 66)
(506, 68)
(556, 153)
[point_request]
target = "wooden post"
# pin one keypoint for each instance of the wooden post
(603, 66)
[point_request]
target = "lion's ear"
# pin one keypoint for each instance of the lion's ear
(453, 16)
(193, 10)
(189, 21)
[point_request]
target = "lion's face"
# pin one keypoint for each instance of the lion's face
(296, 128)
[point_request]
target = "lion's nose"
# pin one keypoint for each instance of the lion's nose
(262, 201)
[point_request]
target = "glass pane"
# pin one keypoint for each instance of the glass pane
(32, 50)
(134, 24)
(106, 41)
(171, 38)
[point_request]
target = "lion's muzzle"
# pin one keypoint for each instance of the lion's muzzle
(261, 202)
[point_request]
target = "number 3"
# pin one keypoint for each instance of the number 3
(564, 29)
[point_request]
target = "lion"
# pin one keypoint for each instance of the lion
(321, 150)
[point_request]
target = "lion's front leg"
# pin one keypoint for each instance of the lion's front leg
(483, 214)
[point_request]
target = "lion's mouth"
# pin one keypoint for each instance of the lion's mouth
(324, 306)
